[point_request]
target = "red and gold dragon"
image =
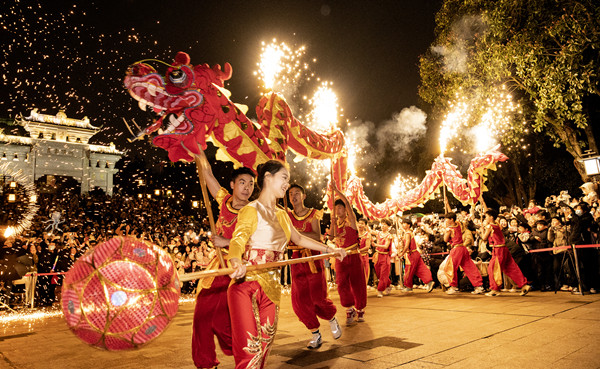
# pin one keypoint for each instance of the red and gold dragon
(194, 108)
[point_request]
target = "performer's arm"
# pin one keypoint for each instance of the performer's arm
(309, 243)
(487, 233)
(203, 166)
(244, 228)
(367, 242)
(316, 230)
(349, 211)
(447, 235)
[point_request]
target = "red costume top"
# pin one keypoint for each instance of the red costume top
(347, 236)
(224, 227)
(227, 214)
(456, 238)
(303, 224)
(364, 237)
(382, 239)
(496, 237)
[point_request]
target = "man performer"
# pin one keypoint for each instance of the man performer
(383, 248)
(349, 274)
(309, 287)
(414, 264)
(364, 234)
(211, 314)
(501, 261)
(459, 256)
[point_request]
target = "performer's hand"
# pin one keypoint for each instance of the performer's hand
(240, 268)
(219, 241)
(340, 254)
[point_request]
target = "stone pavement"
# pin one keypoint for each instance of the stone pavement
(418, 330)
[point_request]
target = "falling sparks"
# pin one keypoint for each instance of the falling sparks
(402, 184)
(280, 65)
(324, 114)
(476, 124)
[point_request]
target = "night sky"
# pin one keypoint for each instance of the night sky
(73, 55)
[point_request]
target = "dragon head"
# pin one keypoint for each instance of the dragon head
(188, 100)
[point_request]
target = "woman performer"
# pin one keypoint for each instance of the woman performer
(261, 235)
(414, 262)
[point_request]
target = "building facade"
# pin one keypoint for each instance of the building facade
(58, 146)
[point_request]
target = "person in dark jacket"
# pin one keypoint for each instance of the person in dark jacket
(541, 261)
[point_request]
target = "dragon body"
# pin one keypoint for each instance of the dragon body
(194, 108)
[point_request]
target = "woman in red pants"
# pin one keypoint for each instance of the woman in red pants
(261, 235)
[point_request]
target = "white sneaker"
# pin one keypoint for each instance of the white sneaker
(379, 294)
(351, 316)
(451, 290)
(315, 341)
(336, 330)
(406, 290)
(387, 291)
(478, 291)
(493, 293)
(429, 286)
(361, 315)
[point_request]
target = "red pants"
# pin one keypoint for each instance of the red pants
(501, 262)
(350, 280)
(211, 317)
(460, 257)
(309, 294)
(366, 266)
(418, 267)
(382, 269)
(252, 339)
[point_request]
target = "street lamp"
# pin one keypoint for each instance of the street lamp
(592, 165)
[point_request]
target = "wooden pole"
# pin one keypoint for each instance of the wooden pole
(333, 226)
(208, 207)
(249, 268)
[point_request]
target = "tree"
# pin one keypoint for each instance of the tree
(545, 52)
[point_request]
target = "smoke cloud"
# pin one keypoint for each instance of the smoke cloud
(463, 34)
(396, 135)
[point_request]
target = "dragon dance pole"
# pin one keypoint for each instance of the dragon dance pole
(249, 268)
(446, 205)
(208, 207)
(333, 225)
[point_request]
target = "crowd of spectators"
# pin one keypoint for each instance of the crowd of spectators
(561, 221)
(86, 220)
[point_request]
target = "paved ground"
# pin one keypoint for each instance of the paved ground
(541, 330)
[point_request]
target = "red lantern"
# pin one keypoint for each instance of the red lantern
(121, 294)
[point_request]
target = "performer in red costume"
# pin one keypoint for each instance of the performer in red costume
(211, 313)
(414, 264)
(383, 248)
(502, 261)
(364, 234)
(261, 235)
(349, 274)
(459, 256)
(309, 287)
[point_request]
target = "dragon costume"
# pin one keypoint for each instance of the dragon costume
(194, 108)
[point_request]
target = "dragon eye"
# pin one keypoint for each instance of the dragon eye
(177, 76)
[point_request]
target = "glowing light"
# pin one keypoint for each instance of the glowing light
(195, 204)
(402, 184)
(324, 114)
(280, 65)
(477, 124)
(9, 232)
